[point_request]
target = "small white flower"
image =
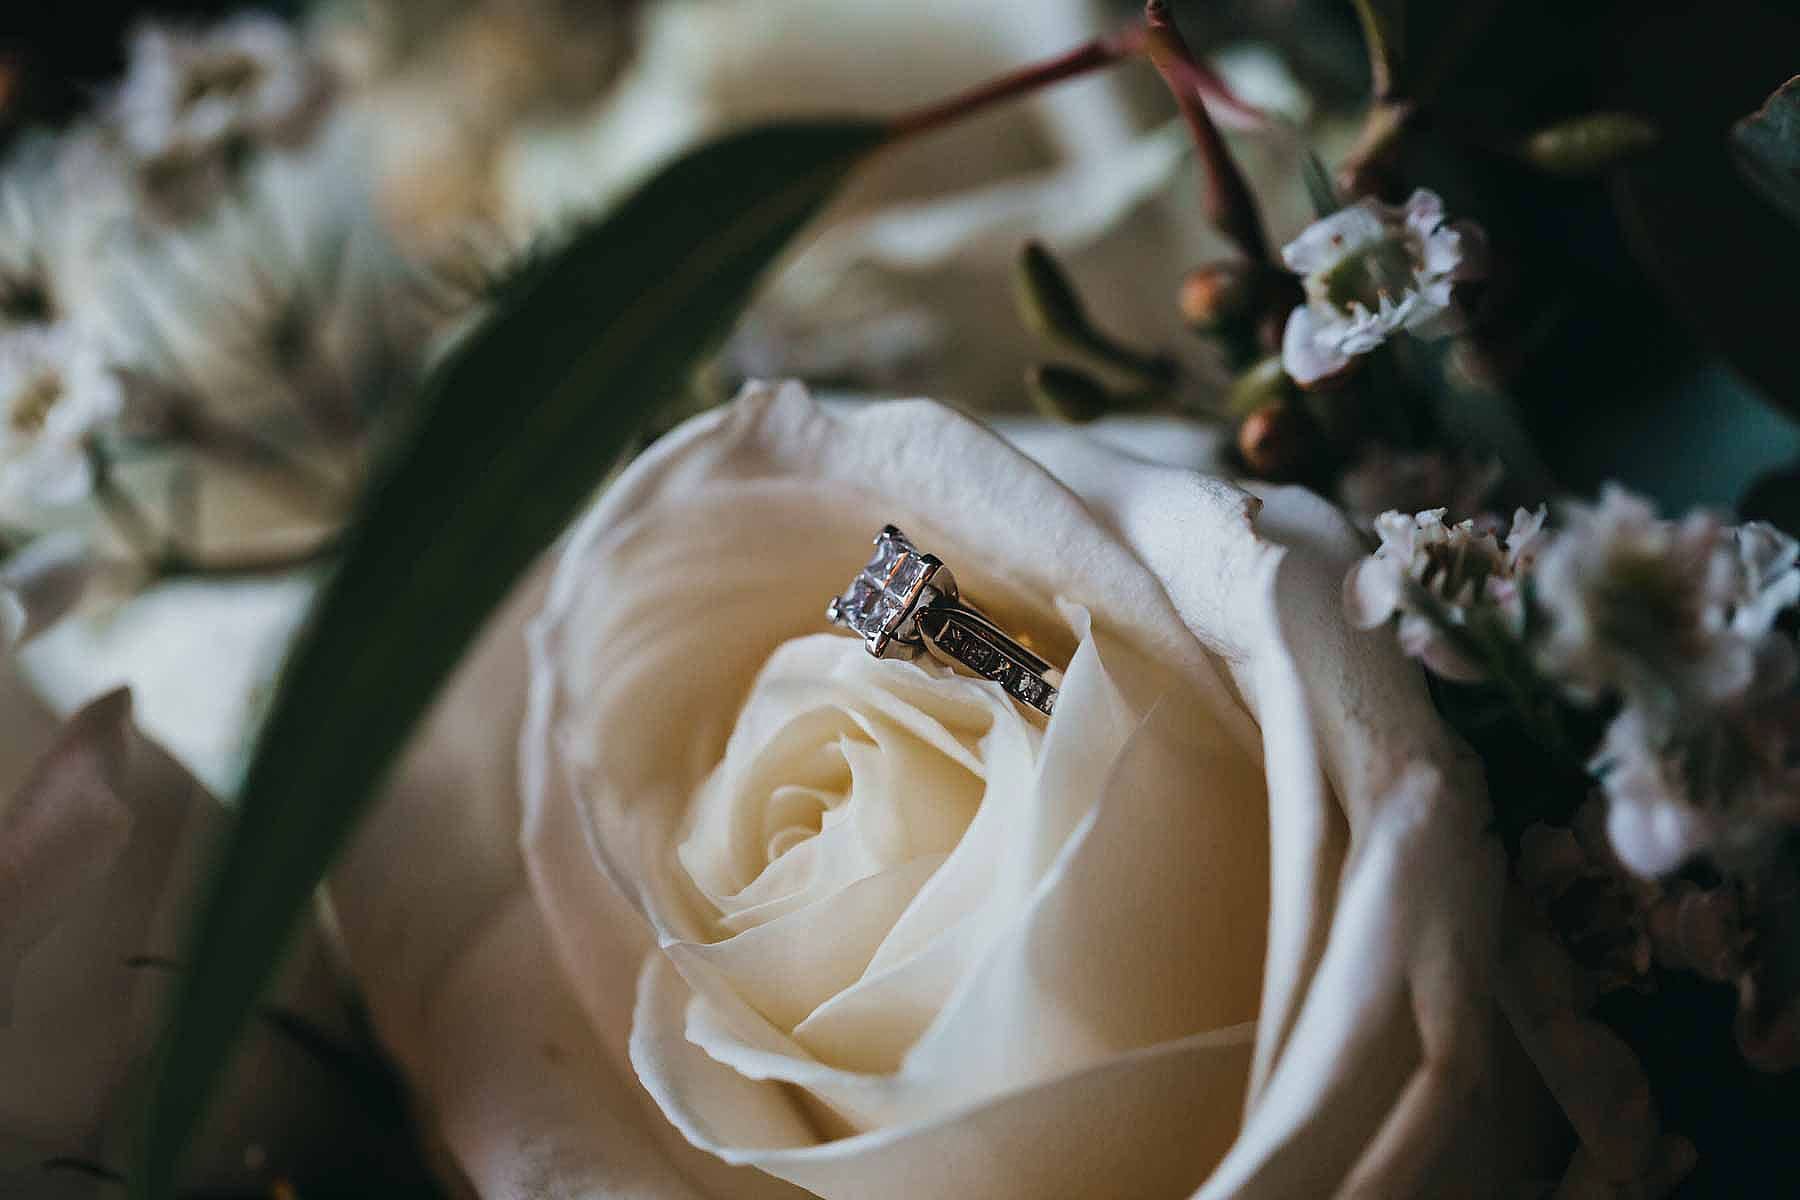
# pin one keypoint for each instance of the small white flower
(191, 102)
(1526, 540)
(1454, 565)
(55, 389)
(25, 292)
(55, 210)
(1770, 579)
(1651, 818)
(1642, 607)
(1371, 270)
(1720, 785)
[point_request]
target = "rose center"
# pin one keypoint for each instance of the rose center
(841, 768)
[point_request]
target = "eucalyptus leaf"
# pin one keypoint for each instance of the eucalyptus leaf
(1319, 188)
(1768, 147)
(1590, 144)
(517, 428)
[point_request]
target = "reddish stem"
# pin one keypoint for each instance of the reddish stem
(1228, 200)
(1089, 56)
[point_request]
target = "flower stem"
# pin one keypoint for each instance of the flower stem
(165, 556)
(1395, 108)
(1090, 56)
(123, 512)
(300, 482)
(1380, 37)
(1228, 200)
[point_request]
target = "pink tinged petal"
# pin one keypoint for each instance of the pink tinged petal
(1307, 349)
(61, 833)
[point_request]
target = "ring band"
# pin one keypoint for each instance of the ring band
(904, 602)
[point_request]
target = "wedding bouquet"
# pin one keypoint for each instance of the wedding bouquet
(498, 700)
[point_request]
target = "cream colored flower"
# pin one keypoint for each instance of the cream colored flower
(55, 391)
(863, 925)
(1370, 271)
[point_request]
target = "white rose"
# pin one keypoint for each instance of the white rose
(1224, 923)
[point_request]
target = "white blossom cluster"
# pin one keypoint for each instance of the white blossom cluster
(56, 385)
(1370, 271)
(1435, 576)
(194, 104)
(207, 241)
(1672, 624)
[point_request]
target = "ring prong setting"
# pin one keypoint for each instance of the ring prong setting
(904, 602)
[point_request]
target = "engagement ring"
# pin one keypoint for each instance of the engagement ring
(904, 602)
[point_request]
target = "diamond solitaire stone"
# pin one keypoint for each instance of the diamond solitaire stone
(904, 602)
(879, 603)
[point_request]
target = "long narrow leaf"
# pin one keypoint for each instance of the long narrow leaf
(516, 430)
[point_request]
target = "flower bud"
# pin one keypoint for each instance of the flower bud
(1264, 384)
(1047, 299)
(1052, 309)
(1589, 144)
(1215, 294)
(1067, 393)
(1278, 441)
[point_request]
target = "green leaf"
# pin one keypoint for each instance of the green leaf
(1319, 188)
(1590, 144)
(517, 429)
(1767, 143)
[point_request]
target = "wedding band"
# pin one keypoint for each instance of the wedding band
(905, 602)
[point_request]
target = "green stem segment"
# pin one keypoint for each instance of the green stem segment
(1052, 308)
(124, 513)
(1486, 641)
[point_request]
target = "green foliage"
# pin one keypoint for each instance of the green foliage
(1768, 147)
(1589, 144)
(515, 431)
(1319, 188)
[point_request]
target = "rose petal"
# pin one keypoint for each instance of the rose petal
(1133, 1118)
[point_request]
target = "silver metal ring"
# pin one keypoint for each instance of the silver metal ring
(905, 602)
